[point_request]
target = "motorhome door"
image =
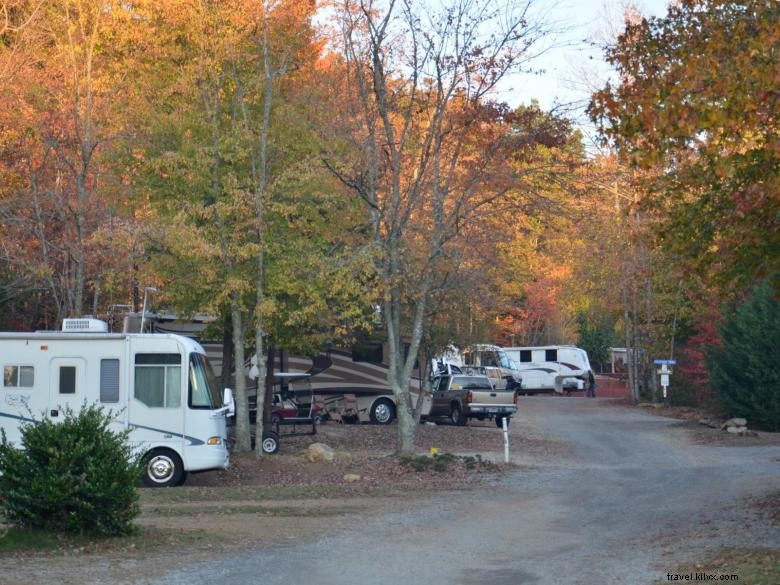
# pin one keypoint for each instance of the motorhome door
(156, 416)
(68, 387)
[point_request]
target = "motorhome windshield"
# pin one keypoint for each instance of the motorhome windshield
(203, 386)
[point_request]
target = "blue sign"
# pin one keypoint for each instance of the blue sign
(665, 362)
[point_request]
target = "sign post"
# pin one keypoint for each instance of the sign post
(505, 428)
(665, 372)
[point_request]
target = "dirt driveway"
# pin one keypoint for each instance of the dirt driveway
(597, 494)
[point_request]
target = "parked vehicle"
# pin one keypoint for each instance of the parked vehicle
(335, 375)
(551, 368)
(160, 386)
(497, 363)
(459, 397)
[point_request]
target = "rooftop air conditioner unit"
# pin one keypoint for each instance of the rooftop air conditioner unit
(84, 325)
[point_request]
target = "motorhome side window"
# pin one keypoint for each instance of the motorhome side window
(18, 376)
(551, 355)
(370, 353)
(158, 379)
(109, 380)
(525, 356)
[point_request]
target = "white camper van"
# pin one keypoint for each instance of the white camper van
(550, 368)
(158, 385)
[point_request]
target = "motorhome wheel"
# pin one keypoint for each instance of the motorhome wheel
(382, 412)
(163, 468)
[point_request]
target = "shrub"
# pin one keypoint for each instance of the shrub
(744, 369)
(74, 476)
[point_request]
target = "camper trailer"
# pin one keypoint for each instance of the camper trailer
(160, 386)
(551, 368)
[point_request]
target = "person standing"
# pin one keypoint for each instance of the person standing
(591, 385)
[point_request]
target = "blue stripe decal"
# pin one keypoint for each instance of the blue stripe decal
(192, 440)
(17, 417)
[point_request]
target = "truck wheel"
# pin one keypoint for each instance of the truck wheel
(382, 412)
(457, 417)
(499, 424)
(270, 443)
(163, 468)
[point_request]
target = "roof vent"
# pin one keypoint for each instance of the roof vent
(84, 326)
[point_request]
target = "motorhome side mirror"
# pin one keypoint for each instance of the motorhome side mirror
(227, 400)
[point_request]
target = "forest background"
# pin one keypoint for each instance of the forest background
(315, 173)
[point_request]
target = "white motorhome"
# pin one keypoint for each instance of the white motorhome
(548, 368)
(160, 386)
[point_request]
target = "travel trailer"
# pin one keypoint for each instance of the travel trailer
(160, 386)
(551, 368)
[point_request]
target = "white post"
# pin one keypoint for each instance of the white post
(506, 439)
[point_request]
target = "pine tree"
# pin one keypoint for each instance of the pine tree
(744, 370)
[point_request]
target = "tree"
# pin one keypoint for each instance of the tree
(743, 369)
(246, 223)
(428, 145)
(63, 64)
(698, 98)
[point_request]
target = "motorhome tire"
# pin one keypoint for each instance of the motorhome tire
(163, 468)
(382, 412)
(270, 442)
(456, 416)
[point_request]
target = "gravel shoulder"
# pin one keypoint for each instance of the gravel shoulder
(594, 494)
(280, 501)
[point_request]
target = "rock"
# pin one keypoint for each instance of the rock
(734, 422)
(709, 423)
(737, 430)
(351, 477)
(319, 452)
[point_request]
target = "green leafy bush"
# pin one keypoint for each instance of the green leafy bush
(76, 476)
(744, 369)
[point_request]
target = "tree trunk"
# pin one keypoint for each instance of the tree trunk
(243, 440)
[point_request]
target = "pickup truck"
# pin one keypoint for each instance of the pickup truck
(459, 397)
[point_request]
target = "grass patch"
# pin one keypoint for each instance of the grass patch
(283, 511)
(186, 494)
(755, 566)
(15, 541)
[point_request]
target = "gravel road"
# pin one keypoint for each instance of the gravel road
(632, 500)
